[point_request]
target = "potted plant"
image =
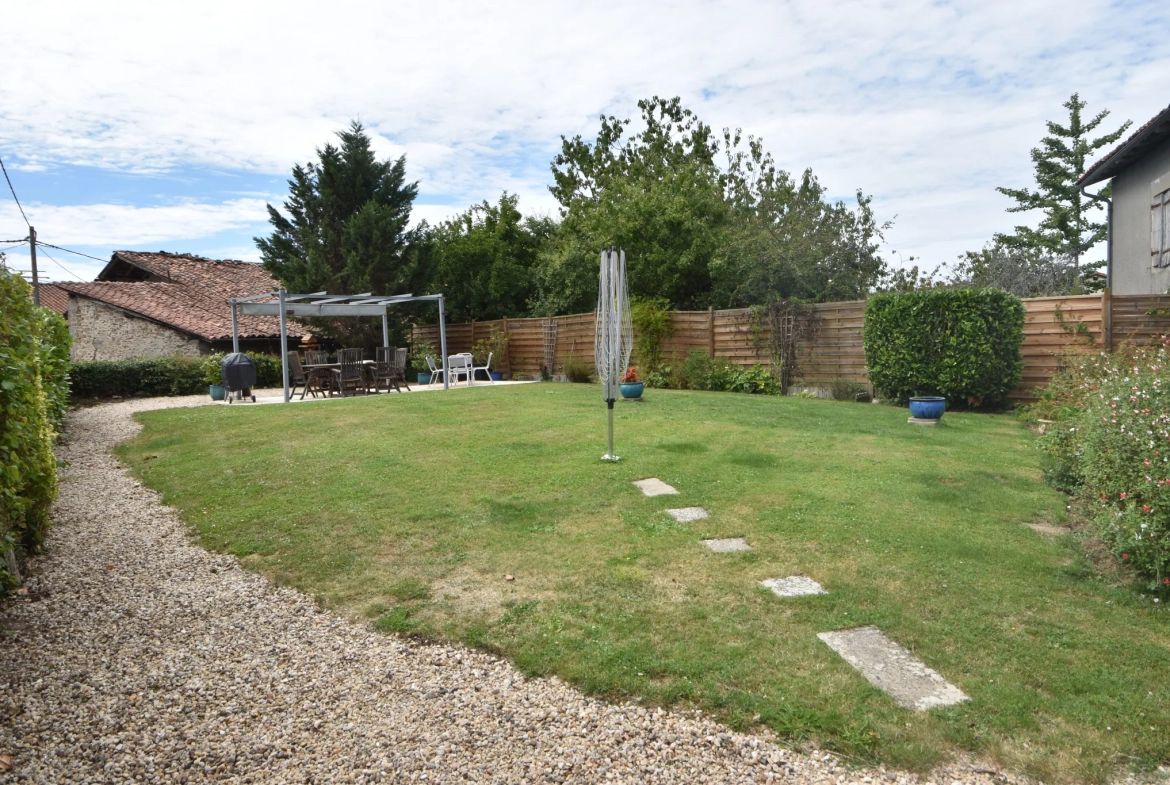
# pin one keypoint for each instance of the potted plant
(211, 374)
(418, 360)
(927, 407)
(630, 386)
(496, 346)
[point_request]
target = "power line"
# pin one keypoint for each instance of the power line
(19, 244)
(63, 267)
(10, 188)
(67, 250)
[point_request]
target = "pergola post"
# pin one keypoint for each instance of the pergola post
(386, 328)
(283, 342)
(235, 328)
(443, 345)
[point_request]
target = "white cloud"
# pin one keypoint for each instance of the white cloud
(926, 105)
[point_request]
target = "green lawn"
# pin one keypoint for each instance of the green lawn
(411, 509)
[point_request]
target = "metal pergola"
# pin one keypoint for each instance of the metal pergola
(281, 303)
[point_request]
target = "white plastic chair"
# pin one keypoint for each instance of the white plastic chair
(436, 371)
(459, 365)
(486, 368)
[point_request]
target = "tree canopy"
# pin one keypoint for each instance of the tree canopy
(345, 229)
(1066, 228)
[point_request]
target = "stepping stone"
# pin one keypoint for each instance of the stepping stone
(728, 546)
(1043, 528)
(891, 668)
(652, 486)
(794, 586)
(688, 514)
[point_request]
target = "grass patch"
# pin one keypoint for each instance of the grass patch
(411, 509)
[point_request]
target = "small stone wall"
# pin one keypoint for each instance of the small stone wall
(104, 333)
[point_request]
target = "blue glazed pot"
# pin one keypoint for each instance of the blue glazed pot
(218, 392)
(424, 377)
(632, 389)
(928, 407)
(497, 376)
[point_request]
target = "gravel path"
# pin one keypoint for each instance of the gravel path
(137, 656)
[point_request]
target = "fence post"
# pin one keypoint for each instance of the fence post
(1107, 317)
(507, 352)
(711, 331)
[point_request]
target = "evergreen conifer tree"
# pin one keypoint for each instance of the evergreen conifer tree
(1067, 228)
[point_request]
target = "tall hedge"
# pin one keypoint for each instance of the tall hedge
(963, 344)
(33, 391)
(177, 375)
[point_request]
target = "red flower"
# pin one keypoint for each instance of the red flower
(1123, 494)
(631, 376)
(1145, 508)
(1125, 555)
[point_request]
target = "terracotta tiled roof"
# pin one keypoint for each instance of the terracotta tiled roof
(54, 298)
(188, 293)
(1120, 157)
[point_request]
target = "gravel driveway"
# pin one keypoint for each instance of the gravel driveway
(137, 656)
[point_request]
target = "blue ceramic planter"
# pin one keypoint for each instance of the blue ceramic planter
(632, 389)
(928, 407)
(218, 392)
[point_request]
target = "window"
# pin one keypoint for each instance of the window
(1160, 230)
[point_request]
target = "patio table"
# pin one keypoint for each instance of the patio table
(327, 366)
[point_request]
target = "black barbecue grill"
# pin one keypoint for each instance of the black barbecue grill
(239, 376)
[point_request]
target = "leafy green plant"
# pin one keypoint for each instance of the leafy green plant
(577, 370)
(652, 326)
(495, 345)
(963, 344)
(419, 354)
(847, 390)
(32, 351)
(180, 375)
(1109, 444)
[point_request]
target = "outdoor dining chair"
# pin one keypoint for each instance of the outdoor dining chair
(390, 368)
(399, 368)
(436, 371)
(317, 379)
(297, 376)
(486, 368)
(459, 365)
(351, 375)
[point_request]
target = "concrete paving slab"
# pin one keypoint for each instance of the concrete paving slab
(729, 545)
(1043, 528)
(652, 486)
(891, 668)
(688, 514)
(918, 421)
(793, 586)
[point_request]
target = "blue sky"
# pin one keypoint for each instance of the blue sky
(158, 126)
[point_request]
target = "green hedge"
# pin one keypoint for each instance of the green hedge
(32, 395)
(963, 344)
(161, 376)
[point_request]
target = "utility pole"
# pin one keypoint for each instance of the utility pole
(32, 249)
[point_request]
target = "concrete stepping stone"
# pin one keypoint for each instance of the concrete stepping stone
(793, 586)
(728, 546)
(891, 668)
(652, 486)
(688, 514)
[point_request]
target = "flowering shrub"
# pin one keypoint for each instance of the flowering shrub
(701, 372)
(1110, 445)
(631, 376)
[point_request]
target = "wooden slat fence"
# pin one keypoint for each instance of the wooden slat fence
(1053, 327)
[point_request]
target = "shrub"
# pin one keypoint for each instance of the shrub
(848, 390)
(577, 370)
(55, 343)
(162, 376)
(1110, 445)
(699, 371)
(652, 325)
(963, 344)
(31, 377)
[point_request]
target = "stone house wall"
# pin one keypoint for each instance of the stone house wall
(101, 332)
